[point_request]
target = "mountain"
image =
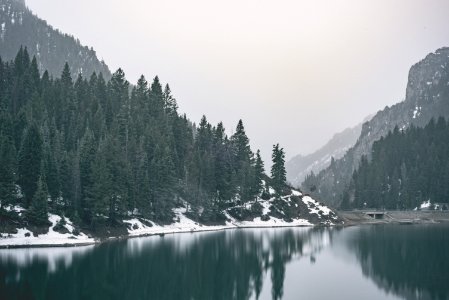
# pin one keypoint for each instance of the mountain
(301, 165)
(408, 168)
(427, 97)
(20, 27)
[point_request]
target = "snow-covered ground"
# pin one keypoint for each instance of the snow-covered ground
(184, 224)
(24, 237)
(139, 226)
(187, 225)
(315, 207)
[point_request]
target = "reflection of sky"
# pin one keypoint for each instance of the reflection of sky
(53, 256)
(330, 277)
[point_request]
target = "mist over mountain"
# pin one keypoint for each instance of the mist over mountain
(427, 97)
(20, 27)
(300, 165)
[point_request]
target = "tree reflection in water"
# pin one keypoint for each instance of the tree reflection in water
(221, 265)
(411, 261)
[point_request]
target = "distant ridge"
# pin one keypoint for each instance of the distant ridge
(20, 27)
(302, 165)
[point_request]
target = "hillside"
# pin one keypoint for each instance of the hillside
(20, 27)
(427, 97)
(293, 209)
(407, 169)
(301, 165)
(88, 156)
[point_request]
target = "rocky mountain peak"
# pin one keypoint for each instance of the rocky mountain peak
(427, 97)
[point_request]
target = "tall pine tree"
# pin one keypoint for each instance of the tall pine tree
(30, 158)
(278, 173)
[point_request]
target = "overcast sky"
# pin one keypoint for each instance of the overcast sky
(295, 71)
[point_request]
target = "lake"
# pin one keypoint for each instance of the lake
(363, 262)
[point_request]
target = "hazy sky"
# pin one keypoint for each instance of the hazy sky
(295, 71)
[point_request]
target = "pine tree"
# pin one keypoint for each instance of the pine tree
(259, 172)
(242, 162)
(223, 165)
(156, 99)
(7, 161)
(87, 179)
(52, 176)
(241, 143)
(170, 104)
(278, 173)
(30, 158)
(162, 171)
(37, 214)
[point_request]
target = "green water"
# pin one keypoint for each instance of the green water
(366, 262)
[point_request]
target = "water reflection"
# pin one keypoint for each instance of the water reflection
(408, 261)
(222, 265)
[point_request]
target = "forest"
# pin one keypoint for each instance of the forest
(98, 151)
(407, 167)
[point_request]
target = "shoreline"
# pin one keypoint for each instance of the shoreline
(353, 218)
(350, 218)
(204, 228)
(316, 215)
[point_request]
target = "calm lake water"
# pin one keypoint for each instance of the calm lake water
(365, 262)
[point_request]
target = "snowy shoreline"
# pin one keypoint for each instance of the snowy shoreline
(40, 242)
(140, 227)
(203, 228)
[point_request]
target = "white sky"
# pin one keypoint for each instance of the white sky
(296, 72)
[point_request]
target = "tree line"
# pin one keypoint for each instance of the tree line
(407, 167)
(98, 151)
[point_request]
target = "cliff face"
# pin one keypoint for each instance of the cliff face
(427, 97)
(20, 27)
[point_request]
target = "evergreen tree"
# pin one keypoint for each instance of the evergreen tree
(156, 99)
(241, 143)
(242, 161)
(87, 179)
(7, 179)
(259, 172)
(162, 181)
(30, 159)
(170, 104)
(278, 173)
(37, 214)
(52, 176)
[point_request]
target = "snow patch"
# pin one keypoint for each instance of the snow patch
(296, 193)
(315, 207)
(24, 237)
(416, 112)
